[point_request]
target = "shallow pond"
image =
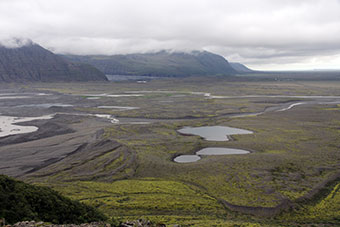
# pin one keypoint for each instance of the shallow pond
(214, 133)
(221, 151)
(211, 133)
(187, 158)
(209, 151)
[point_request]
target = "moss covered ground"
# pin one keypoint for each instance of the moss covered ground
(292, 152)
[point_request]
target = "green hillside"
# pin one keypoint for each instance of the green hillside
(21, 201)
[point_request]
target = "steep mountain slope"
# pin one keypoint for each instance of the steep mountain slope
(31, 62)
(240, 68)
(159, 64)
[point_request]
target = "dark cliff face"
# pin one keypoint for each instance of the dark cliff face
(31, 63)
(163, 63)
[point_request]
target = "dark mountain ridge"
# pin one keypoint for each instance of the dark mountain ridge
(163, 63)
(31, 62)
(240, 68)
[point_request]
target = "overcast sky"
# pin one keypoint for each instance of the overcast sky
(263, 34)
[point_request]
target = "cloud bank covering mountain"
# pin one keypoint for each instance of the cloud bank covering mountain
(263, 34)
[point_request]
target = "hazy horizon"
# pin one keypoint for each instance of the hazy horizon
(262, 34)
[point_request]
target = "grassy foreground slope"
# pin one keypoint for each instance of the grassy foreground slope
(324, 210)
(21, 201)
(162, 201)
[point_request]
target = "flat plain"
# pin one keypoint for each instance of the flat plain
(112, 145)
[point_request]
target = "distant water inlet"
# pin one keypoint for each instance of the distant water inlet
(109, 117)
(8, 125)
(91, 96)
(46, 105)
(118, 107)
(213, 133)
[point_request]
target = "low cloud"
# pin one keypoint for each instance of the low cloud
(14, 42)
(271, 34)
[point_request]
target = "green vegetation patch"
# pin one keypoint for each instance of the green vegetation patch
(142, 197)
(21, 201)
(201, 221)
(326, 210)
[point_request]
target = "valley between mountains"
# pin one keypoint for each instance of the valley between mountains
(120, 158)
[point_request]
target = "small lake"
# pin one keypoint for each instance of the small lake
(220, 151)
(214, 133)
(187, 158)
(209, 151)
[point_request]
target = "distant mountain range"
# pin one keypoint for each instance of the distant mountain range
(162, 64)
(27, 61)
(31, 62)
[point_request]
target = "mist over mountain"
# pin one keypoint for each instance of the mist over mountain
(163, 63)
(23, 60)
